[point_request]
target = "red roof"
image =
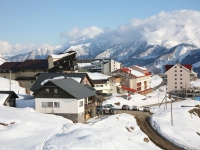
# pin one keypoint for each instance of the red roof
(128, 89)
(126, 70)
(188, 66)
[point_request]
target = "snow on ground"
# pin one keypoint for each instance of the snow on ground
(108, 133)
(155, 81)
(185, 127)
(14, 86)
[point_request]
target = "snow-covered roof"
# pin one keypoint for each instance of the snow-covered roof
(195, 84)
(133, 72)
(84, 64)
(3, 98)
(61, 55)
(61, 77)
(97, 76)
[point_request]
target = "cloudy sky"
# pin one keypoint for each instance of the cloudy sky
(26, 25)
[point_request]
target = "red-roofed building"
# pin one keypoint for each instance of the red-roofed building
(134, 79)
(179, 77)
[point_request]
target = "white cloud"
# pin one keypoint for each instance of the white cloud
(75, 33)
(166, 28)
(13, 49)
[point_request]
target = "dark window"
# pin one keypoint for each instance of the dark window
(31, 81)
(56, 104)
(175, 67)
(175, 79)
(49, 104)
(175, 91)
(175, 83)
(180, 74)
(44, 104)
(175, 70)
(180, 78)
(175, 74)
(180, 82)
(180, 70)
(4, 76)
(80, 103)
(175, 87)
(47, 90)
(55, 91)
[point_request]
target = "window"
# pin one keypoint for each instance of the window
(80, 103)
(31, 81)
(180, 78)
(47, 90)
(175, 79)
(49, 104)
(175, 74)
(175, 87)
(180, 82)
(175, 70)
(55, 91)
(44, 104)
(4, 76)
(175, 83)
(56, 104)
(180, 70)
(181, 87)
(175, 91)
(175, 67)
(180, 74)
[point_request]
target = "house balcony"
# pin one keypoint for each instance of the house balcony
(89, 106)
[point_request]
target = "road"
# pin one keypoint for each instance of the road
(142, 121)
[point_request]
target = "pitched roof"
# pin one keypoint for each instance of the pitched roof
(187, 66)
(74, 88)
(9, 66)
(25, 78)
(44, 76)
(10, 93)
(34, 64)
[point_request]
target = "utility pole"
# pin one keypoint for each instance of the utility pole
(158, 95)
(10, 80)
(171, 110)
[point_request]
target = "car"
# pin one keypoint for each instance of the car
(125, 107)
(109, 108)
(99, 110)
(104, 94)
(146, 108)
(135, 108)
(109, 94)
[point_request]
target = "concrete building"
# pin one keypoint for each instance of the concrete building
(134, 79)
(179, 77)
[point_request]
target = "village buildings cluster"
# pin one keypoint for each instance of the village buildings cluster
(66, 86)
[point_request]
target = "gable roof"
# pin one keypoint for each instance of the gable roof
(10, 93)
(34, 64)
(44, 76)
(74, 88)
(9, 66)
(187, 66)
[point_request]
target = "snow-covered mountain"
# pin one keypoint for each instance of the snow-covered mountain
(166, 38)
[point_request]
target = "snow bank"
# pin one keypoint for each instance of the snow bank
(155, 81)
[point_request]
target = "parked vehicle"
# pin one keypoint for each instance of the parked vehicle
(146, 108)
(104, 94)
(109, 108)
(135, 108)
(99, 110)
(125, 107)
(109, 94)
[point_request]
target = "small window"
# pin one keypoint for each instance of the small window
(175, 82)
(175, 91)
(180, 74)
(181, 87)
(175, 79)
(31, 81)
(180, 66)
(49, 104)
(175, 70)
(180, 78)
(55, 91)
(180, 82)
(4, 76)
(175, 87)
(80, 103)
(56, 104)
(175, 67)
(175, 74)
(180, 70)
(44, 104)
(47, 90)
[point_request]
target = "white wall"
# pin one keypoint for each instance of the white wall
(66, 105)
